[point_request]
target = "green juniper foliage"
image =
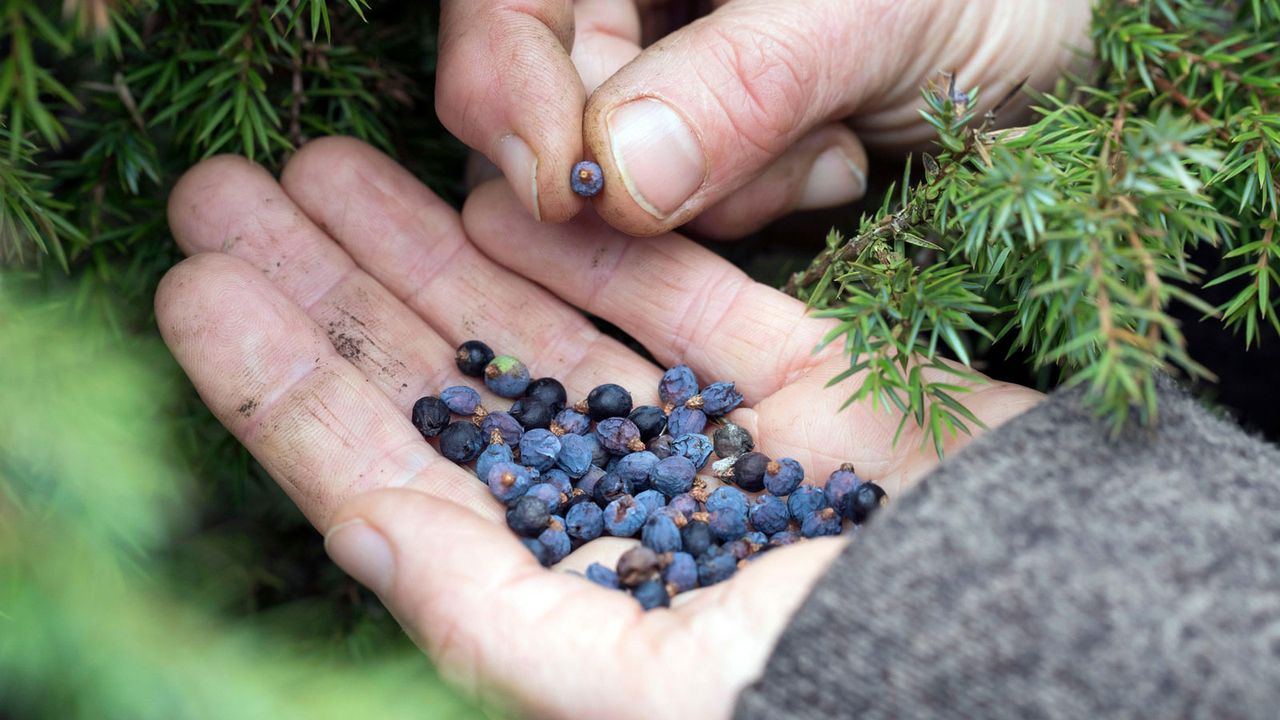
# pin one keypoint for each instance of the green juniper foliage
(1071, 238)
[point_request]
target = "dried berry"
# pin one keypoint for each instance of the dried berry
(472, 357)
(430, 416)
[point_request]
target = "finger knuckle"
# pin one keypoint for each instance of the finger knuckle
(773, 79)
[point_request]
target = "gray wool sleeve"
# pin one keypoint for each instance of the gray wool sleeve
(1048, 571)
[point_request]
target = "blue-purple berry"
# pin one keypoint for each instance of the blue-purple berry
(820, 523)
(570, 422)
(783, 476)
(472, 357)
(461, 399)
(430, 416)
(532, 413)
(673, 475)
(603, 576)
(757, 538)
(696, 537)
(662, 446)
(624, 517)
(506, 426)
(681, 574)
(587, 483)
(575, 455)
(619, 435)
(686, 421)
(539, 449)
(716, 568)
(718, 399)
(749, 471)
(607, 401)
(496, 452)
(538, 549)
(599, 455)
(863, 501)
(650, 420)
(636, 467)
(839, 484)
(685, 504)
(508, 481)
(584, 521)
(660, 534)
(506, 377)
(556, 540)
(528, 516)
(461, 442)
(728, 497)
(652, 594)
(548, 494)
(695, 447)
(804, 501)
(559, 479)
(586, 179)
(786, 537)
(677, 385)
(610, 487)
(769, 514)
(727, 524)
(652, 500)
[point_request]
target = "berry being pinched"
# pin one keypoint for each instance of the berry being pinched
(472, 357)
(460, 399)
(430, 416)
(732, 440)
(461, 442)
(749, 471)
(586, 179)
(609, 401)
(548, 391)
(650, 420)
(506, 377)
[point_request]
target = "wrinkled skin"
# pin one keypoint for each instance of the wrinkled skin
(778, 96)
(314, 311)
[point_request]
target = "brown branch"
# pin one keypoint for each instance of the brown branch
(1179, 97)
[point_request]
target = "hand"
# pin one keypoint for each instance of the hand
(739, 117)
(314, 312)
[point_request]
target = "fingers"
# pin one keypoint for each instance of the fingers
(608, 37)
(230, 205)
(703, 111)
(402, 235)
(507, 88)
(271, 376)
(475, 599)
(827, 167)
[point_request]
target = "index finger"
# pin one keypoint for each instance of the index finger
(506, 87)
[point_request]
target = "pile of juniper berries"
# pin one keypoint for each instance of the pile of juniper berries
(569, 474)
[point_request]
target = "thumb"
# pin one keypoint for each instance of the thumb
(705, 110)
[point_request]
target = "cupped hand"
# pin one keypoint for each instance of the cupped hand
(738, 117)
(313, 312)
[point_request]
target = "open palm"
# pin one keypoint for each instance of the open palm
(314, 312)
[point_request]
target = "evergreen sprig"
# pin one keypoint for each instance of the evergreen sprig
(1071, 237)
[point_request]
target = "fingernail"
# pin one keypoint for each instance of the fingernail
(520, 166)
(833, 180)
(658, 155)
(363, 553)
